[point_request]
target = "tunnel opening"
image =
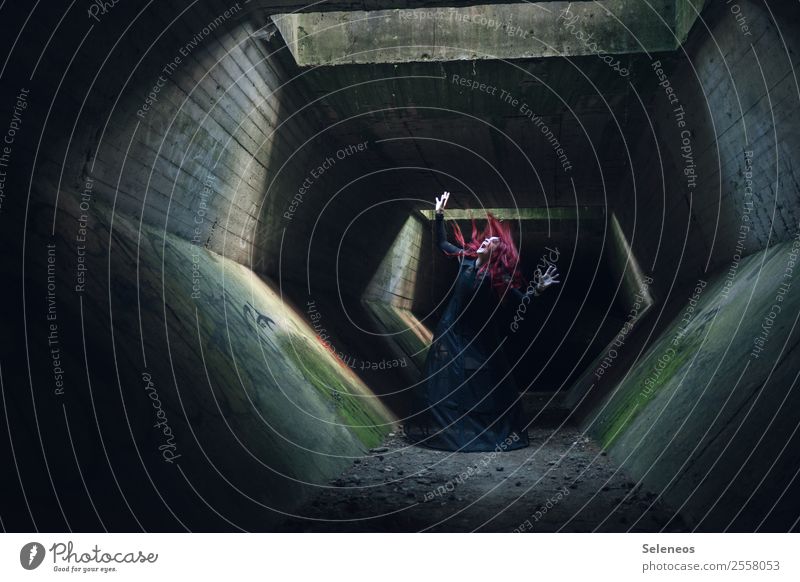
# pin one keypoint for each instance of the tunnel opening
(453, 125)
(233, 219)
(431, 115)
(587, 319)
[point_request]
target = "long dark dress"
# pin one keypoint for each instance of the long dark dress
(467, 399)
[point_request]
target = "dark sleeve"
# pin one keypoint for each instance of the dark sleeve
(519, 295)
(441, 236)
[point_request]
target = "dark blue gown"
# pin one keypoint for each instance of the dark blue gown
(467, 399)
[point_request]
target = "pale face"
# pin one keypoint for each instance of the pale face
(488, 245)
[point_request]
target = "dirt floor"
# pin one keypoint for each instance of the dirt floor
(562, 482)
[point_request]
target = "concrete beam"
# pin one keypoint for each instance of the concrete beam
(527, 30)
(278, 6)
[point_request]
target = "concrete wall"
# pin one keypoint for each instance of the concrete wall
(736, 99)
(708, 417)
(187, 129)
(185, 391)
(228, 141)
(701, 405)
(152, 380)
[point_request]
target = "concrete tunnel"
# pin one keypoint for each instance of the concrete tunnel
(221, 277)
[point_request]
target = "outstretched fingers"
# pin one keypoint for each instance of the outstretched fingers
(442, 200)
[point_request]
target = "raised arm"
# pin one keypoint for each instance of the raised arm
(441, 235)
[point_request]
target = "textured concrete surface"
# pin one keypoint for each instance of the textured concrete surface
(189, 383)
(203, 179)
(739, 97)
(695, 416)
(488, 31)
(563, 482)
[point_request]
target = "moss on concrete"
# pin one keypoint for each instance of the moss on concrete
(662, 365)
(727, 316)
(355, 410)
(409, 342)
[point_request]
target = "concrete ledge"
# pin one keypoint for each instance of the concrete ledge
(497, 31)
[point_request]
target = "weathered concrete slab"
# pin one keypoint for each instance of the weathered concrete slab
(250, 406)
(719, 380)
(495, 31)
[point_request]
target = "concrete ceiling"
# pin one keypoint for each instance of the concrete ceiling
(429, 132)
(534, 131)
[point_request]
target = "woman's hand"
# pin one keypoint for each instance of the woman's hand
(440, 202)
(547, 278)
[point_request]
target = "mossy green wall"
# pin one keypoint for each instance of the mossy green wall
(260, 412)
(704, 391)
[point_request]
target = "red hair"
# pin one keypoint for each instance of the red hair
(503, 261)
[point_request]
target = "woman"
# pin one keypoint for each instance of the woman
(468, 400)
